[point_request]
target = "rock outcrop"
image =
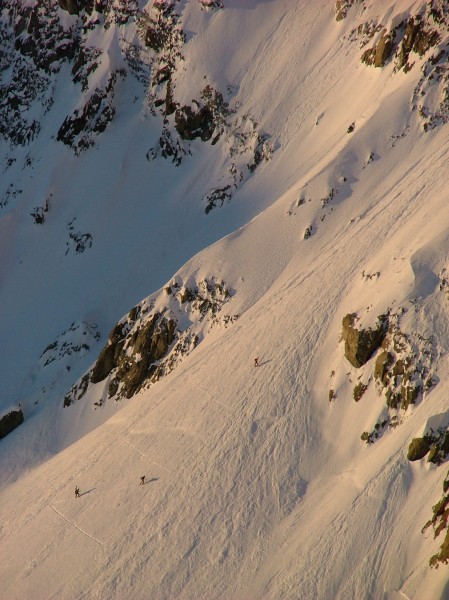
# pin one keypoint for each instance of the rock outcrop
(402, 372)
(149, 343)
(379, 54)
(10, 421)
(418, 448)
(361, 344)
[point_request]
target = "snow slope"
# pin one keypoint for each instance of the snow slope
(257, 485)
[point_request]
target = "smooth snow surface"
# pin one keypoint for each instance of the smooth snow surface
(256, 486)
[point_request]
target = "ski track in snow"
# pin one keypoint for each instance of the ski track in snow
(75, 525)
(146, 456)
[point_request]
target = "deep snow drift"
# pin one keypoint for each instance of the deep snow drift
(258, 484)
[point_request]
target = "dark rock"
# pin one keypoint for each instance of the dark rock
(360, 345)
(424, 40)
(108, 357)
(148, 344)
(74, 7)
(186, 295)
(71, 6)
(409, 394)
(359, 390)
(134, 313)
(217, 197)
(308, 232)
(379, 54)
(151, 344)
(381, 368)
(104, 365)
(211, 4)
(384, 50)
(399, 368)
(190, 124)
(393, 398)
(170, 104)
(418, 448)
(407, 41)
(10, 421)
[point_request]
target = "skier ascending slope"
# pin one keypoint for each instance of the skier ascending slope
(256, 362)
(77, 492)
(142, 480)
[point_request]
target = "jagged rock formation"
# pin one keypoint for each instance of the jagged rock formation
(207, 119)
(402, 369)
(37, 40)
(150, 342)
(420, 37)
(414, 35)
(381, 52)
(10, 421)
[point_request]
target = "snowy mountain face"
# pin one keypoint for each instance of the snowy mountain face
(186, 186)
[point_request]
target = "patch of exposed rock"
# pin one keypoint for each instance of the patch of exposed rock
(360, 344)
(379, 54)
(342, 7)
(150, 342)
(433, 443)
(10, 421)
(439, 524)
(402, 369)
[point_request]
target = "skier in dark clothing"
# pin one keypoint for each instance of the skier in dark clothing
(256, 362)
(142, 480)
(77, 492)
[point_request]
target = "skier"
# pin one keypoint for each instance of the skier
(256, 362)
(142, 480)
(77, 492)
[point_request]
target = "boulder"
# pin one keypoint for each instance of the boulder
(361, 344)
(418, 448)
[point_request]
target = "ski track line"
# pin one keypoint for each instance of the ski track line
(145, 456)
(216, 401)
(221, 404)
(76, 526)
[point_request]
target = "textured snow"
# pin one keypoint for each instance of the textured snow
(256, 486)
